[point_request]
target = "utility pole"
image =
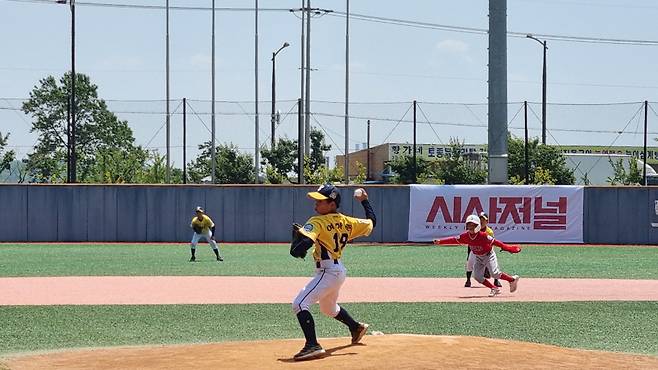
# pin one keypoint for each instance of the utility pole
(300, 143)
(257, 141)
(368, 154)
(213, 151)
(415, 162)
(274, 115)
(543, 88)
(70, 106)
(525, 145)
(184, 141)
(73, 103)
(347, 92)
(300, 138)
(644, 167)
(168, 122)
(307, 110)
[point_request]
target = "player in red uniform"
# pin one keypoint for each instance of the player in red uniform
(481, 246)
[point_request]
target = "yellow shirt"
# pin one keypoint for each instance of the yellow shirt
(205, 224)
(332, 231)
(489, 231)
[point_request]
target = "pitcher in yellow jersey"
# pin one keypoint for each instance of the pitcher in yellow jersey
(329, 232)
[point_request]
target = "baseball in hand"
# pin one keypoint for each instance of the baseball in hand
(358, 193)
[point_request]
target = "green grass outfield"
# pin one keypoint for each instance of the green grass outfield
(273, 260)
(611, 326)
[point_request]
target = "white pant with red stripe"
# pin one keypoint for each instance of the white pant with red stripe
(324, 288)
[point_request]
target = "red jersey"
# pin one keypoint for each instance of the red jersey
(480, 243)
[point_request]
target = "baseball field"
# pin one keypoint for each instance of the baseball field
(122, 306)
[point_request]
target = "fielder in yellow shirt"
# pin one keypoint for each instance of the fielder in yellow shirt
(203, 228)
(329, 232)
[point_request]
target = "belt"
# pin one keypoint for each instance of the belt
(317, 263)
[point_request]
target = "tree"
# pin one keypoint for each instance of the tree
(403, 167)
(98, 131)
(322, 174)
(280, 161)
(546, 163)
(117, 166)
(5, 157)
(457, 170)
(231, 166)
(621, 176)
(318, 148)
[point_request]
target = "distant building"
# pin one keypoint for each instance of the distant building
(381, 154)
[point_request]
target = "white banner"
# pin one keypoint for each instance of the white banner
(539, 214)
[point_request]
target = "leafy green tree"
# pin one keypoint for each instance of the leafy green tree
(622, 177)
(546, 163)
(97, 129)
(231, 166)
(322, 174)
(280, 161)
(403, 167)
(117, 166)
(361, 173)
(6, 157)
(456, 169)
(318, 149)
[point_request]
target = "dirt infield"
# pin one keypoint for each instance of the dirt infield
(117, 290)
(377, 352)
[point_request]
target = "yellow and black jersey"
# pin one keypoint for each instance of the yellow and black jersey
(331, 232)
(205, 223)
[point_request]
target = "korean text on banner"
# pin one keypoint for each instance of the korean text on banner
(538, 214)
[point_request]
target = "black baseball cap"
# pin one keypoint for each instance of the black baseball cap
(326, 191)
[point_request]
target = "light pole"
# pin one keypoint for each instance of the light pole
(285, 45)
(543, 90)
(71, 144)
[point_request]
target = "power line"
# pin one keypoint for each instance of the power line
(484, 31)
(379, 19)
(154, 7)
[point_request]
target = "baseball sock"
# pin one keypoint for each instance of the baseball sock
(308, 327)
(344, 317)
(506, 277)
(193, 250)
(468, 275)
(488, 284)
(216, 252)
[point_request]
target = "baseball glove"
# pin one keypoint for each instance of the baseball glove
(297, 247)
(197, 229)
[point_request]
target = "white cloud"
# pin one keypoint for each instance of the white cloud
(453, 47)
(201, 60)
(121, 62)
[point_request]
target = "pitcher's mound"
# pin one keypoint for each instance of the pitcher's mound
(378, 352)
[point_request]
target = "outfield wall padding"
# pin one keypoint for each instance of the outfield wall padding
(259, 213)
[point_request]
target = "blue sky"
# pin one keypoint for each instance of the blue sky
(123, 52)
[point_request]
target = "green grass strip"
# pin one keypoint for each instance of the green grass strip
(274, 260)
(610, 326)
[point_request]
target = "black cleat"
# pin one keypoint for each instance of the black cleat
(309, 352)
(220, 259)
(467, 284)
(359, 333)
(192, 259)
